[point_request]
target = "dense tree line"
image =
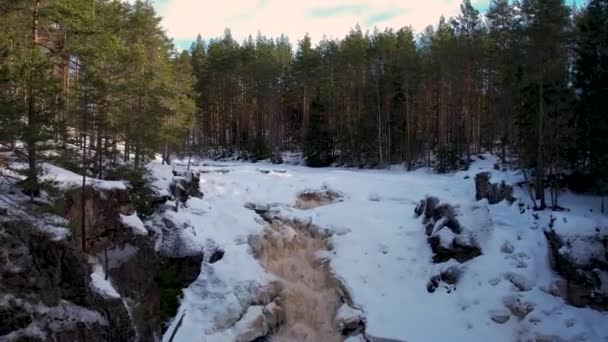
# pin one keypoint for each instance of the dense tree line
(527, 80)
(100, 75)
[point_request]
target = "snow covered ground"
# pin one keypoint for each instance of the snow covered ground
(381, 254)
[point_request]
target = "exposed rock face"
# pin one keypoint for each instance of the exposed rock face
(45, 292)
(446, 236)
(129, 256)
(48, 291)
(102, 216)
(493, 192)
(586, 276)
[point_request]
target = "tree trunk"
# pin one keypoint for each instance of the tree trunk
(84, 182)
(540, 168)
(379, 116)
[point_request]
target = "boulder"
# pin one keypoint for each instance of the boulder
(350, 321)
(582, 260)
(449, 276)
(447, 238)
(493, 192)
(186, 185)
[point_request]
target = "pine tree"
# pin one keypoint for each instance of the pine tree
(504, 69)
(591, 81)
(317, 144)
(546, 24)
(306, 64)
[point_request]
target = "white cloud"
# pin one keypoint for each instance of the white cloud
(184, 19)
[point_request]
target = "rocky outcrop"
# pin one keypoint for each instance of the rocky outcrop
(185, 185)
(48, 289)
(582, 260)
(445, 235)
(45, 293)
(115, 236)
(493, 192)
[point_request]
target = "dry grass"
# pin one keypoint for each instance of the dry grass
(313, 199)
(309, 294)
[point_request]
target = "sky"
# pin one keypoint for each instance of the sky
(185, 19)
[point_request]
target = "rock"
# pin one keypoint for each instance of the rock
(13, 317)
(449, 276)
(493, 192)
(216, 256)
(102, 216)
(456, 243)
(186, 185)
(437, 216)
(48, 281)
(350, 321)
(459, 250)
(586, 278)
(507, 247)
(518, 308)
(500, 316)
(519, 281)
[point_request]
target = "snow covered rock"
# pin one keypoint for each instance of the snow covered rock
(446, 236)
(581, 257)
(350, 321)
(186, 185)
(493, 192)
(449, 276)
(47, 292)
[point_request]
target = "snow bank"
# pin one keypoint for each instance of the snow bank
(68, 179)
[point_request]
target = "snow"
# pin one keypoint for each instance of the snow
(100, 285)
(67, 179)
(135, 223)
(380, 251)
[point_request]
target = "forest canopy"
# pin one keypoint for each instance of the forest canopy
(526, 80)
